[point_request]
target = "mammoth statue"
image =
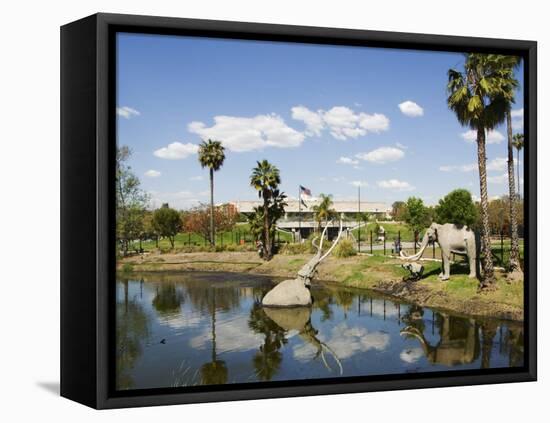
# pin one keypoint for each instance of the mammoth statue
(295, 292)
(451, 239)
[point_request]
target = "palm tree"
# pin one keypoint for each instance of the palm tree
(212, 156)
(518, 142)
(512, 83)
(265, 179)
(480, 97)
(324, 211)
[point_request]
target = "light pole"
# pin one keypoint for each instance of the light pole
(359, 216)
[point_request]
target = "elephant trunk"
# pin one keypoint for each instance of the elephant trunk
(418, 255)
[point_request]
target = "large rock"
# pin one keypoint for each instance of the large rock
(289, 293)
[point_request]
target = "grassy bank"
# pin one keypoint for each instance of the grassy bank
(378, 273)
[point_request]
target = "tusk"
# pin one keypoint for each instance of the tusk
(414, 257)
(334, 243)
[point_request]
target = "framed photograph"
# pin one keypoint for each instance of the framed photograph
(255, 211)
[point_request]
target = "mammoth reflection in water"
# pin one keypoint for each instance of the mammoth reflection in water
(458, 340)
(275, 324)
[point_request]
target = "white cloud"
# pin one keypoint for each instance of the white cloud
(411, 109)
(247, 134)
(498, 164)
(341, 121)
(382, 155)
(401, 146)
(347, 160)
(493, 137)
(346, 341)
(232, 335)
(151, 173)
(376, 122)
(359, 183)
(517, 119)
(500, 179)
(313, 121)
(176, 150)
(411, 355)
(395, 184)
(196, 178)
(518, 113)
(127, 112)
(460, 168)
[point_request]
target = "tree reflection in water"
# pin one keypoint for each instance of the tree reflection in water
(268, 358)
(168, 298)
(214, 372)
(132, 330)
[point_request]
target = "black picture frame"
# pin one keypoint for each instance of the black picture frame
(87, 208)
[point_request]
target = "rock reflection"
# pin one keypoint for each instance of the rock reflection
(276, 324)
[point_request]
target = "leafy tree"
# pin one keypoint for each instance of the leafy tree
(212, 156)
(130, 201)
(416, 216)
(480, 96)
(265, 178)
(398, 209)
(499, 216)
(167, 222)
(457, 207)
(197, 220)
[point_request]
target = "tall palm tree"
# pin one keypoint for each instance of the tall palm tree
(265, 179)
(324, 210)
(518, 142)
(512, 83)
(479, 96)
(212, 156)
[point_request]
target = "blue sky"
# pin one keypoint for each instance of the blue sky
(329, 117)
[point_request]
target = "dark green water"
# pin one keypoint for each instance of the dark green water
(186, 329)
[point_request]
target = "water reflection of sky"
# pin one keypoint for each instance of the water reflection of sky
(199, 330)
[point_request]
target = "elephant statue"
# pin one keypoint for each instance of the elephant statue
(451, 239)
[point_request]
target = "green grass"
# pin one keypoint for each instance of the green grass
(392, 231)
(240, 234)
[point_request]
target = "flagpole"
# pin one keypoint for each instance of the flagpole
(300, 213)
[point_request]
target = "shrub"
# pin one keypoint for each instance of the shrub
(296, 248)
(127, 268)
(345, 248)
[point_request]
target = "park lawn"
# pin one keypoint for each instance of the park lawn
(392, 230)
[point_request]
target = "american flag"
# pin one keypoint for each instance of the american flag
(305, 194)
(305, 191)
